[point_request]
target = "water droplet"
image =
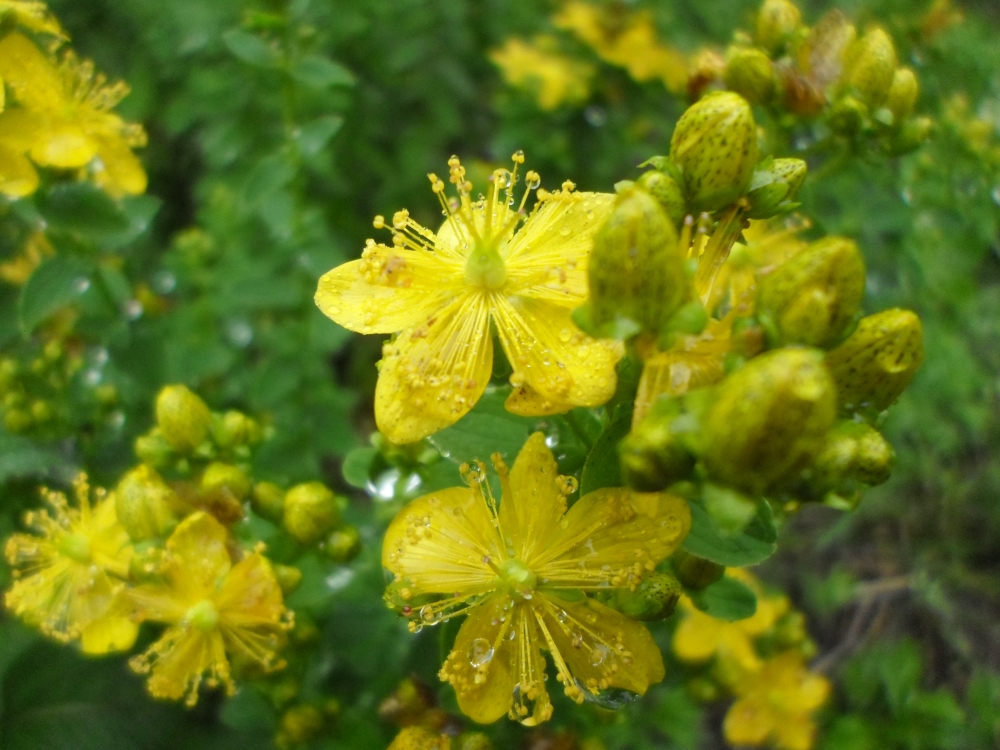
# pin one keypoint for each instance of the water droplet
(81, 284)
(595, 116)
(480, 652)
(598, 654)
(427, 613)
(501, 178)
(164, 282)
(132, 309)
(565, 335)
(996, 195)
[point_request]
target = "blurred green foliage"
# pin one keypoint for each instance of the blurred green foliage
(277, 130)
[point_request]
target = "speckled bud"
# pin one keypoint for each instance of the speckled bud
(343, 544)
(869, 67)
(715, 147)
(153, 449)
(769, 419)
(903, 93)
(853, 454)
(696, 572)
(220, 477)
(813, 297)
(472, 741)
(667, 192)
(288, 577)
(183, 418)
(636, 271)
(777, 21)
(655, 454)
(143, 504)
(749, 73)
(419, 738)
(654, 598)
(310, 512)
(848, 116)
(876, 363)
(268, 501)
(232, 428)
(775, 186)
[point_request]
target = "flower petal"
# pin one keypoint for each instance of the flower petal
(748, 722)
(113, 632)
(63, 144)
(431, 376)
(32, 76)
(697, 637)
(250, 595)
(599, 647)
(795, 732)
(388, 290)
(180, 660)
(120, 171)
(530, 515)
(20, 129)
(18, 177)
(550, 354)
(197, 557)
(526, 402)
(481, 664)
(604, 540)
(437, 543)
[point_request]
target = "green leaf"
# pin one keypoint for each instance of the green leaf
(314, 136)
(271, 174)
(250, 48)
(59, 281)
(489, 428)
(602, 468)
(320, 72)
(84, 209)
(726, 599)
(20, 457)
(752, 545)
(357, 465)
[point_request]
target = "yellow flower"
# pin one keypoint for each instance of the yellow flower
(32, 15)
(443, 292)
(64, 121)
(213, 607)
(67, 576)
(553, 78)
(776, 705)
(520, 572)
(699, 636)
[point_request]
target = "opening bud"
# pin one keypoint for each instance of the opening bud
(749, 73)
(775, 186)
(813, 297)
(183, 418)
(777, 22)
(143, 504)
(768, 419)
(869, 67)
(876, 362)
(715, 147)
(310, 512)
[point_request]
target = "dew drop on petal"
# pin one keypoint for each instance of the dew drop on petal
(480, 652)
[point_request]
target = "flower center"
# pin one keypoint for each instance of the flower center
(203, 616)
(76, 547)
(518, 576)
(485, 268)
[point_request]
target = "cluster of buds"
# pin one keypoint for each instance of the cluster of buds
(853, 83)
(46, 392)
(423, 723)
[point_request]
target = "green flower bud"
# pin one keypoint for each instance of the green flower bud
(300, 725)
(654, 598)
(636, 271)
(813, 297)
(853, 454)
(775, 186)
(343, 544)
(153, 449)
(220, 477)
(15, 400)
(848, 116)
(268, 501)
(777, 21)
(911, 136)
(875, 459)
(876, 363)
(696, 572)
(902, 96)
(869, 67)
(656, 454)
(288, 577)
(144, 504)
(472, 741)
(8, 373)
(769, 419)
(231, 429)
(667, 192)
(17, 421)
(42, 411)
(183, 418)
(715, 147)
(53, 351)
(106, 394)
(310, 512)
(749, 73)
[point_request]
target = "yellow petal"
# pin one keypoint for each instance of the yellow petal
(31, 75)
(388, 290)
(529, 516)
(526, 402)
(551, 355)
(20, 129)
(748, 723)
(197, 557)
(18, 177)
(431, 376)
(547, 258)
(110, 633)
(179, 661)
(63, 144)
(250, 595)
(794, 733)
(118, 170)
(602, 540)
(437, 543)
(697, 637)
(483, 679)
(531, 705)
(601, 648)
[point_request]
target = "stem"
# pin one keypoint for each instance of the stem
(717, 251)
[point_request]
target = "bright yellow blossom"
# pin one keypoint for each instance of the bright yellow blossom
(538, 67)
(699, 636)
(214, 608)
(520, 572)
(63, 120)
(776, 705)
(68, 575)
(31, 15)
(442, 293)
